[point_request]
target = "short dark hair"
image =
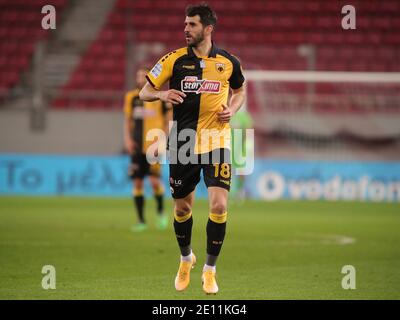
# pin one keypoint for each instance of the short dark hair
(206, 14)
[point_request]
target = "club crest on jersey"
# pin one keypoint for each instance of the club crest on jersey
(220, 67)
(193, 84)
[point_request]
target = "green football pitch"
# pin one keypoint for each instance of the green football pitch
(279, 250)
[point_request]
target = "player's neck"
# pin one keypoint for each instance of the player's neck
(203, 48)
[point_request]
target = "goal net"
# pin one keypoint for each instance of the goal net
(325, 115)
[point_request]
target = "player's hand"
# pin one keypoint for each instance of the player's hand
(130, 146)
(172, 96)
(225, 115)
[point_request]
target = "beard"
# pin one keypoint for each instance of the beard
(196, 40)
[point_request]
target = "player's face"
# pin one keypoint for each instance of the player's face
(141, 78)
(194, 31)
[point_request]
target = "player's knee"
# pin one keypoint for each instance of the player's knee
(137, 189)
(158, 189)
(137, 192)
(183, 210)
(138, 184)
(182, 213)
(218, 208)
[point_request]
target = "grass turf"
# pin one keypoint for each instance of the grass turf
(280, 250)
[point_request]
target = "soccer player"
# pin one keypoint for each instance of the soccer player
(201, 77)
(140, 117)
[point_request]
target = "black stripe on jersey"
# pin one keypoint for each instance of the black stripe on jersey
(188, 111)
(137, 125)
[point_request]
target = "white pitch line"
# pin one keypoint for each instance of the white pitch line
(330, 239)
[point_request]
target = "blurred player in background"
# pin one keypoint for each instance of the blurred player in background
(242, 120)
(200, 76)
(140, 117)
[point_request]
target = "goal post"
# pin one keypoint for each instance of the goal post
(324, 91)
(324, 104)
(323, 76)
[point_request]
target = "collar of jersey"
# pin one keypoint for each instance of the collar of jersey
(212, 54)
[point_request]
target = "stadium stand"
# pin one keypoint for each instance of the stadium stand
(20, 29)
(266, 35)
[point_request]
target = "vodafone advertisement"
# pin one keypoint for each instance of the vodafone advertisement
(313, 180)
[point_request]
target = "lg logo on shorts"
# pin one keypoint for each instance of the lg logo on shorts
(177, 183)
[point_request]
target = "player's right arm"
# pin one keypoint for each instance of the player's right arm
(159, 75)
(128, 124)
(129, 143)
(148, 93)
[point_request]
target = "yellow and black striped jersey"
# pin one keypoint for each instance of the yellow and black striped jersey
(145, 116)
(206, 82)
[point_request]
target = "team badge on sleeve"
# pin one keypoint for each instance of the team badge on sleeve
(156, 71)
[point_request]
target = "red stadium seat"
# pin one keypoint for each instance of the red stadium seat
(19, 30)
(264, 34)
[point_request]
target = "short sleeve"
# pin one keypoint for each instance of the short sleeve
(237, 79)
(162, 71)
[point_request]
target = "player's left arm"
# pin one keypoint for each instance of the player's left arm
(235, 103)
(237, 99)
(236, 83)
